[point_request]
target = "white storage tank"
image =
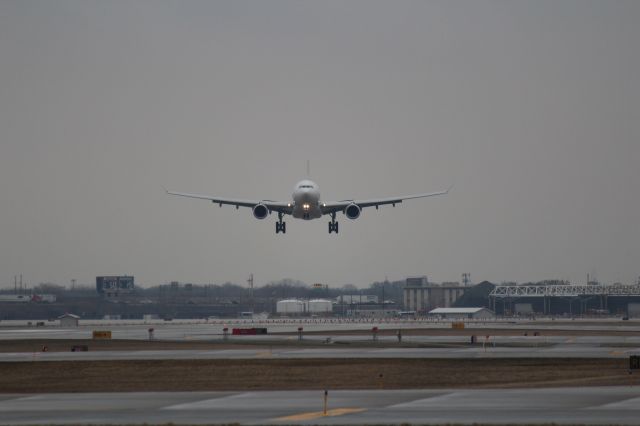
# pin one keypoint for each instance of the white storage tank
(290, 306)
(633, 309)
(320, 306)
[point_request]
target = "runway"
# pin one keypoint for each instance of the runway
(608, 405)
(213, 329)
(556, 351)
(594, 405)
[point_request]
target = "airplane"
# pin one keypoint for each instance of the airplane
(306, 205)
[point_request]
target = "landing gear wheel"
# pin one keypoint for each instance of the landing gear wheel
(280, 225)
(333, 227)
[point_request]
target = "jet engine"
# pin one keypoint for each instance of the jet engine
(260, 211)
(352, 211)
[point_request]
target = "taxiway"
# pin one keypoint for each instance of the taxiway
(611, 405)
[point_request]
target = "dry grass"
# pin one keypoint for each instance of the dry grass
(275, 374)
(64, 345)
(269, 374)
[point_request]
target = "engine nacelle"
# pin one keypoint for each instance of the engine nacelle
(352, 211)
(260, 211)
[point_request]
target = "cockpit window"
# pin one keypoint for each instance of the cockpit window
(305, 186)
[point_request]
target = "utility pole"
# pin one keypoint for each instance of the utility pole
(250, 281)
(386, 281)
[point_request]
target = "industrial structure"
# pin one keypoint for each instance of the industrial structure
(317, 306)
(421, 297)
(585, 296)
(304, 307)
(353, 299)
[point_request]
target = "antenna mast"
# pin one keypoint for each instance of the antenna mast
(466, 279)
(250, 281)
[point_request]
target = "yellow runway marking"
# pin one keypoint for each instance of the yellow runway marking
(319, 414)
(615, 353)
(263, 354)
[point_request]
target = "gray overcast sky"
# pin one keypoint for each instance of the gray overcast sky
(531, 108)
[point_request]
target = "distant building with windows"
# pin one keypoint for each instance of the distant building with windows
(115, 285)
(356, 299)
(422, 297)
(421, 281)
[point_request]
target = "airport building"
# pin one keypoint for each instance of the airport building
(304, 307)
(26, 298)
(565, 298)
(421, 297)
(68, 320)
(378, 310)
(462, 313)
(356, 299)
(115, 285)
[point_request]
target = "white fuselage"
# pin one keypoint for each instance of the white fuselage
(306, 200)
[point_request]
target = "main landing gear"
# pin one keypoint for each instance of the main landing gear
(333, 225)
(280, 225)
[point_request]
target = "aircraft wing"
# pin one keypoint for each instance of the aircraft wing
(276, 206)
(336, 206)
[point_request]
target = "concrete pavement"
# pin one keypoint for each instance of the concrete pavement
(554, 351)
(599, 405)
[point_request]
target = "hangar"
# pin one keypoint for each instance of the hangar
(472, 313)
